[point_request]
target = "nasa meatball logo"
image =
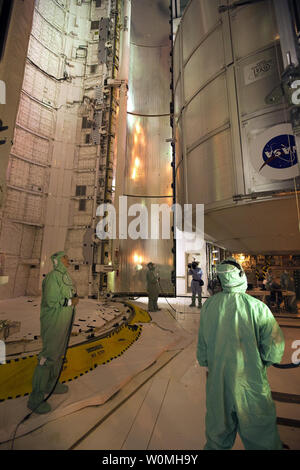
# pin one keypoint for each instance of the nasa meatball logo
(274, 153)
(280, 152)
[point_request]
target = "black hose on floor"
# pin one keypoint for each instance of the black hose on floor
(53, 388)
(286, 366)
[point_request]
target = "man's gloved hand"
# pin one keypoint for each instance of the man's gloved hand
(75, 301)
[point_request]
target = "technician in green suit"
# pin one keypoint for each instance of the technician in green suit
(238, 339)
(152, 287)
(56, 313)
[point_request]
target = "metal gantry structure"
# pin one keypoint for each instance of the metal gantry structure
(64, 138)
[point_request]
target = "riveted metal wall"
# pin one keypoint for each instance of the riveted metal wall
(56, 143)
(90, 164)
(225, 65)
(40, 177)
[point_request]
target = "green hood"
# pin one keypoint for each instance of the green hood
(230, 278)
(56, 260)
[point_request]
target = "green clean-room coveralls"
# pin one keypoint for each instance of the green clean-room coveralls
(57, 290)
(152, 288)
(238, 339)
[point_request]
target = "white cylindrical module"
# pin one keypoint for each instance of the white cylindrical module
(235, 153)
(121, 134)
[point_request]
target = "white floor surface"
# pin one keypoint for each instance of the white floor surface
(162, 407)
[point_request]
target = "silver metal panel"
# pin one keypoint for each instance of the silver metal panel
(210, 172)
(149, 80)
(228, 130)
(180, 186)
(227, 42)
(256, 78)
(204, 64)
(178, 142)
(148, 173)
(253, 27)
(176, 57)
(180, 173)
(235, 131)
(178, 99)
(288, 39)
(150, 23)
(148, 166)
(135, 254)
(198, 20)
(207, 111)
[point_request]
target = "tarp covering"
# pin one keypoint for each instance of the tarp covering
(96, 387)
(16, 374)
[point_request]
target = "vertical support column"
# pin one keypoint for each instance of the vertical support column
(173, 13)
(235, 121)
(106, 245)
(122, 118)
(286, 33)
(90, 276)
(184, 150)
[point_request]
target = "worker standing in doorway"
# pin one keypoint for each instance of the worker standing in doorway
(58, 300)
(196, 283)
(238, 339)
